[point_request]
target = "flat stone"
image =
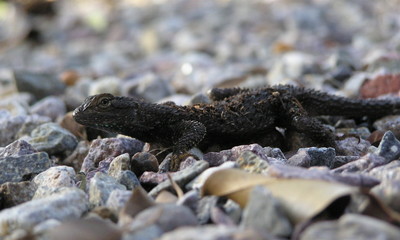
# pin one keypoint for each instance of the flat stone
(16, 169)
(73, 201)
(363, 164)
(53, 139)
(352, 226)
(101, 186)
(39, 84)
(265, 212)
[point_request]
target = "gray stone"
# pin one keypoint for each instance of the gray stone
(389, 123)
(117, 199)
(263, 211)
(45, 226)
(146, 233)
(15, 193)
(53, 139)
(101, 185)
(51, 180)
(321, 156)
(106, 84)
(15, 169)
(73, 201)
(107, 149)
(389, 148)
(353, 146)
(172, 217)
(300, 159)
(352, 226)
(52, 107)
(39, 84)
(17, 148)
(181, 177)
(363, 164)
(128, 179)
(149, 86)
(204, 206)
(12, 128)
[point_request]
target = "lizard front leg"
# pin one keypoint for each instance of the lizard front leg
(188, 134)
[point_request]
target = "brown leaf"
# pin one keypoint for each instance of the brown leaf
(166, 197)
(301, 198)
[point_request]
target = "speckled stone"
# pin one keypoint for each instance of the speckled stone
(49, 181)
(15, 169)
(389, 148)
(73, 201)
(101, 186)
(53, 139)
(107, 149)
(117, 199)
(15, 193)
(17, 148)
(252, 163)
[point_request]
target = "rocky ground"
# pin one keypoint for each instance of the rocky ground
(60, 180)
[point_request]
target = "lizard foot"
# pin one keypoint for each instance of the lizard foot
(176, 160)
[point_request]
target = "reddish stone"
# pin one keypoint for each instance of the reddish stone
(381, 85)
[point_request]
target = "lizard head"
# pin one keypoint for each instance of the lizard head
(106, 112)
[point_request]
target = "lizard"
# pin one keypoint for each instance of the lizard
(235, 116)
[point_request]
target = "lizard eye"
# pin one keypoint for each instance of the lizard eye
(105, 102)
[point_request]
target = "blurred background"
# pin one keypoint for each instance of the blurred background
(159, 48)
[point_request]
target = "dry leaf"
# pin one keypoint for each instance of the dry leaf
(301, 198)
(139, 201)
(166, 197)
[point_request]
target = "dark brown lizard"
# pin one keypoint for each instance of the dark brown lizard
(236, 116)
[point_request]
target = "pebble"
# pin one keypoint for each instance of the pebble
(389, 148)
(117, 199)
(12, 128)
(51, 106)
(142, 162)
(306, 157)
(105, 85)
(389, 123)
(40, 85)
(181, 178)
(265, 213)
(352, 146)
(27, 215)
(15, 193)
(53, 139)
(16, 169)
(17, 148)
(107, 149)
(100, 188)
(50, 181)
(252, 163)
(352, 226)
(172, 217)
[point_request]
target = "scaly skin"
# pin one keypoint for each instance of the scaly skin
(236, 116)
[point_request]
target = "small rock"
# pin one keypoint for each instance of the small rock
(117, 199)
(106, 84)
(54, 178)
(45, 226)
(142, 162)
(25, 216)
(17, 148)
(389, 123)
(101, 185)
(119, 164)
(389, 148)
(172, 217)
(265, 212)
(352, 146)
(365, 163)
(351, 226)
(187, 163)
(12, 128)
(381, 85)
(15, 193)
(181, 177)
(190, 199)
(204, 206)
(148, 86)
(16, 169)
(128, 179)
(107, 149)
(39, 84)
(52, 107)
(53, 139)
(75, 160)
(16, 104)
(250, 162)
(300, 159)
